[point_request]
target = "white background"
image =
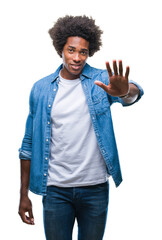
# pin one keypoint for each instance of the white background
(132, 32)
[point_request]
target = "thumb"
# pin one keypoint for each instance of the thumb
(102, 85)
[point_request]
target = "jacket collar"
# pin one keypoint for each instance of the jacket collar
(87, 72)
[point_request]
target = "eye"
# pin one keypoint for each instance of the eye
(84, 53)
(70, 50)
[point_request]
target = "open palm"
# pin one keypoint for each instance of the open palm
(118, 84)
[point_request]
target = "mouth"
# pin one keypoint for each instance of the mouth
(75, 66)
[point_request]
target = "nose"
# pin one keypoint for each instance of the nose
(76, 57)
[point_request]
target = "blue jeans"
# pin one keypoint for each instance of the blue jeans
(88, 204)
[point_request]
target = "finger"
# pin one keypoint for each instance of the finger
(102, 85)
(24, 218)
(115, 68)
(31, 217)
(120, 68)
(109, 69)
(127, 72)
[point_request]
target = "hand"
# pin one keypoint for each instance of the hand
(26, 206)
(118, 84)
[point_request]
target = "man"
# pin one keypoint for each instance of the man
(69, 151)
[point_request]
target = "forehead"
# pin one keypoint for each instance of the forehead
(77, 42)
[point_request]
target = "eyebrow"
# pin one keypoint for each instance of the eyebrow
(83, 49)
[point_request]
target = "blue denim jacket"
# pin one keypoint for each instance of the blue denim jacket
(36, 142)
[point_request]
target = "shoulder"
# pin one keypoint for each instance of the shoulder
(99, 74)
(42, 85)
(44, 81)
(93, 69)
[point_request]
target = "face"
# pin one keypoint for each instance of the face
(74, 55)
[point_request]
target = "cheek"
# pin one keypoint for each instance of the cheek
(65, 59)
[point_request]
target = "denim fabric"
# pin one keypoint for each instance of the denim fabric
(88, 205)
(36, 142)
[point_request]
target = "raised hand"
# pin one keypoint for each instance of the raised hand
(118, 84)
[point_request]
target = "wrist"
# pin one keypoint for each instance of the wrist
(126, 95)
(24, 191)
(23, 195)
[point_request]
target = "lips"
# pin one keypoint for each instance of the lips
(75, 67)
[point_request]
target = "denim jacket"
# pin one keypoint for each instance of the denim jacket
(36, 142)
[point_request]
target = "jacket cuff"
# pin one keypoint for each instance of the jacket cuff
(25, 155)
(138, 98)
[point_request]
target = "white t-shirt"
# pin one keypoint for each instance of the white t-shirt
(75, 157)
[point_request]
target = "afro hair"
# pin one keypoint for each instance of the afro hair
(80, 26)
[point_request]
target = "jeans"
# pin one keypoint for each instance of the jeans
(88, 204)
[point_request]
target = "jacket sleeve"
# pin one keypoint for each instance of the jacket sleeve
(25, 151)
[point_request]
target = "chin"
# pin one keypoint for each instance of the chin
(76, 73)
(73, 72)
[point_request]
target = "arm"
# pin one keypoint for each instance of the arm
(25, 204)
(25, 153)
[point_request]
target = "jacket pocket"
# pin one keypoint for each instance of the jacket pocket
(100, 103)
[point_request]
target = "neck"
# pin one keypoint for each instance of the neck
(67, 75)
